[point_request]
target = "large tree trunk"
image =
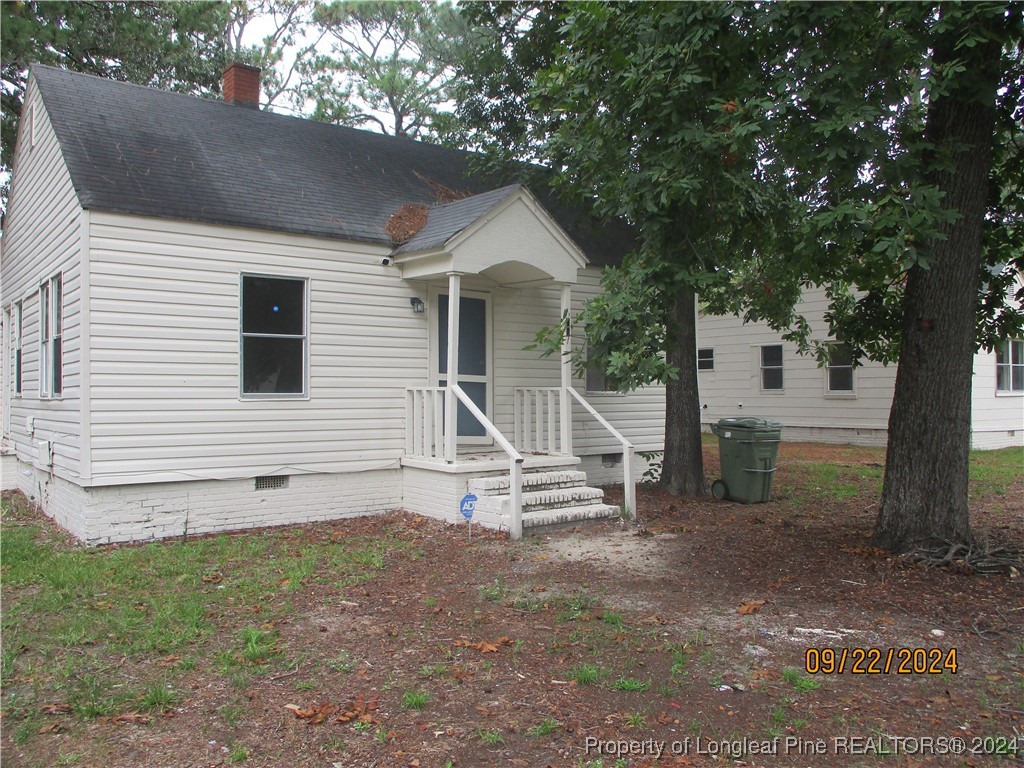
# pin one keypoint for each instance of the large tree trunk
(682, 470)
(924, 495)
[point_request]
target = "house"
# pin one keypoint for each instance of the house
(748, 368)
(218, 318)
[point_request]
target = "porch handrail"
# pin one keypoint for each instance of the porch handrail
(515, 485)
(628, 484)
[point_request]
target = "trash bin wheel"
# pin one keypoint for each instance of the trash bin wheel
(718, 489)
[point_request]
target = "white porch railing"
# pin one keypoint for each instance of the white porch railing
(538, 427)
(425, 438)
(628, 484)
(537, 414)
(424, 420)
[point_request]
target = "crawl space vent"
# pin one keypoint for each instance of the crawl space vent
(270, 482)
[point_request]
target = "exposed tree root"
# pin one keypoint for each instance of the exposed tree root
(972, 558)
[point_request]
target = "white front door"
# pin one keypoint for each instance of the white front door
(474, 359)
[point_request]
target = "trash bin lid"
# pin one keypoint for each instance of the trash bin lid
(753, 423)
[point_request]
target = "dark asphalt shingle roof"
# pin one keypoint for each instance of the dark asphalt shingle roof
(447, 220)
(137, 150)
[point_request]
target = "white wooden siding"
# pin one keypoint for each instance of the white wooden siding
(997, 419)
(733, 388)
(165, 364)
(42, 238)
(804, 403)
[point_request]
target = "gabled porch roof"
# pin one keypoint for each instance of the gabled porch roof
(504, 235)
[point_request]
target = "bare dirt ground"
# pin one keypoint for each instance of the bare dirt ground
(681, 643)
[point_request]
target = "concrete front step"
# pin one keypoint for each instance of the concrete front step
(533, 501)
(548, 519)
(532, 481)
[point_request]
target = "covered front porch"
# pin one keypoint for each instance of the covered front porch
(495, 271)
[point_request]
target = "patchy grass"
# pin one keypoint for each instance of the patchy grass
(73, 615)
(992, 472)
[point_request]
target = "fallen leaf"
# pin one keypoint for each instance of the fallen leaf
(314, 714)
(51, 728)
(751, 606)
(484, 646)
(213, 578)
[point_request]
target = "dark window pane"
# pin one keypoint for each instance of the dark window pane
(58, 299)
(1001, 349)
(771, 356)
(771, 378)
(705, 359)
(841, 355)
(596, 380)
(472, 335)
(1018, 378)
(17, 370)
(58, 372)
(272, 365)
(467, 422)
(840, 379)
(1003, 378)
(273, 305)
(1017, 348)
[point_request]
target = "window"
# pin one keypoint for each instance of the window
(706, 359)
(51, 369)
(839, 371)
(771, 367)
(17, 346)
(1010, 365)
(598, 381)
(273, 331)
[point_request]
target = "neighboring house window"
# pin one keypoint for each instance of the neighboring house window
(771, 367)
(839, 371)
(51, 321)
(1010, 365)
(273, 330)
(17, 346)
(706, 359)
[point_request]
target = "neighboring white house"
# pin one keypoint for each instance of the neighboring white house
(748, 368)
(218, 318)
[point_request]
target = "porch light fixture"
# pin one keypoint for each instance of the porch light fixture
(417, 305)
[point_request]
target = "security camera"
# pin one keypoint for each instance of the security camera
(386, 261)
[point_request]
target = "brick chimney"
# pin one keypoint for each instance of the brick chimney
(242, 85)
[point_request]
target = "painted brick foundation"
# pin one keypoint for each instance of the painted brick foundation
(123, 513)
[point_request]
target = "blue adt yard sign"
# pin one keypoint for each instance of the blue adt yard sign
(467, 505)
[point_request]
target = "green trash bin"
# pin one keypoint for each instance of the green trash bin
(747, 447)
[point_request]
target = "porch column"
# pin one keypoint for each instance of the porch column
(564, 402)
(450, 401)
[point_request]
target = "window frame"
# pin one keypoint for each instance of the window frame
(51, 341)
(1010, 345)
(781, 367)
(18, 318)
(707, 359)
(242, 336)
(829, 367)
